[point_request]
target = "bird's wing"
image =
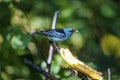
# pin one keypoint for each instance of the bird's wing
(58, 33)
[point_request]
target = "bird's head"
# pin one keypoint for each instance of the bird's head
(69, 31)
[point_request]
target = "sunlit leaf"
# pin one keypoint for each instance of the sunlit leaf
(16, 42)
(111, 45)
(77, 40)
(66, 13)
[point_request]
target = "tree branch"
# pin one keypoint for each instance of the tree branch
(51, 48)
(29, 63)
(109, 74)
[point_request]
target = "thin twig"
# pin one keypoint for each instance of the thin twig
(29, 63)
(40, 50)
(51, 48)
(109, 74)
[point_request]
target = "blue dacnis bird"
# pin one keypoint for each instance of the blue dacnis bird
(57, 35)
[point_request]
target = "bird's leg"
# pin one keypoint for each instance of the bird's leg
(54, 45)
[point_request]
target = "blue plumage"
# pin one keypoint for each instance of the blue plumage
(57, 35)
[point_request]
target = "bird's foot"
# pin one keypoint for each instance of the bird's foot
(57, 48)
(54, 45)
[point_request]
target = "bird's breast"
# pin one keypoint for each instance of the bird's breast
(54, 39)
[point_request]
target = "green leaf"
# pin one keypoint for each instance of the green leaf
(107, 11)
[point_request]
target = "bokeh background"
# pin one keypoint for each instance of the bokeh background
(97, 44)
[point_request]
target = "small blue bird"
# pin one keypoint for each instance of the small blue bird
(57, 35)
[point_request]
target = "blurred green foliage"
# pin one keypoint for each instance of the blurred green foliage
(97, 43)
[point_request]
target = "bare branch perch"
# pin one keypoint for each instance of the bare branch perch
(51, 48)
(54, 19)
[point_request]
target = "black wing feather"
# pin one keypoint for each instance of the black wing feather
(54, 33)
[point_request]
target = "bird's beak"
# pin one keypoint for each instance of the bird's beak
(75, 31)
